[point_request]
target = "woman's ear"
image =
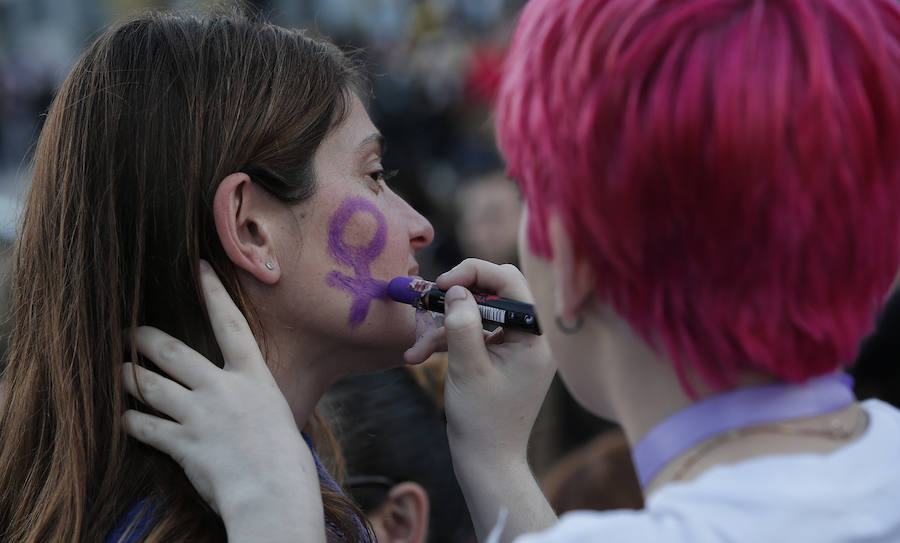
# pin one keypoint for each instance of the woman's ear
(572, 276)
(244, 227)
(403, 517)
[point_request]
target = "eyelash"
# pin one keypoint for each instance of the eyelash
(381, 177)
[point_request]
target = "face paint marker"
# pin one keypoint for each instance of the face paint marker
(504, 312)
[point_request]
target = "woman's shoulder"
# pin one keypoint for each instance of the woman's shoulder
(857, 469)
(834, 491)
(841, 493)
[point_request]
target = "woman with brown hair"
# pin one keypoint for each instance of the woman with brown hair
(176, 139)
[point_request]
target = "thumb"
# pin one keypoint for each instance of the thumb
(462, 323)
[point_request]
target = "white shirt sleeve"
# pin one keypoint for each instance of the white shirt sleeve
(612, 527)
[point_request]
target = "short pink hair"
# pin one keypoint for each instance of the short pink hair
(729, 168)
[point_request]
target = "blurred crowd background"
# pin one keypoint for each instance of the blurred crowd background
(433, 65)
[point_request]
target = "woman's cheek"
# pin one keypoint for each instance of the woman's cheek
(357, 235)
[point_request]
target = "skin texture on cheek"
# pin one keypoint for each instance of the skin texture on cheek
(359, 258)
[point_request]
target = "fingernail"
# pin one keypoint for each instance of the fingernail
(456, 294)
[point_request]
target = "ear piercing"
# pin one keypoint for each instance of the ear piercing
(270, 266)
(569, 329)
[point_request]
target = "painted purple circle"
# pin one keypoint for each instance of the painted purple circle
(357, 257)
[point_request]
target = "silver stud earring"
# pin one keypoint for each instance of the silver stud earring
(270, 266)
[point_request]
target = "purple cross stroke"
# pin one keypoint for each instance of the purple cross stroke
(359, 258)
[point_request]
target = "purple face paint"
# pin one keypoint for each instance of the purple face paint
(357, 257)
(425, 321)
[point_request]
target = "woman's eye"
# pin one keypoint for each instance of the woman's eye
(380, 178)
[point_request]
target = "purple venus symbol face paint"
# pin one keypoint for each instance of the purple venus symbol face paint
(357, 257)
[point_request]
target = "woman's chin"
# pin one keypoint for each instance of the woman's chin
(381, 339)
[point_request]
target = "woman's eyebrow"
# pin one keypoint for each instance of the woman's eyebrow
(375, 138)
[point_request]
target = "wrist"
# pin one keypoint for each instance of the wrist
(241, 498)
(288, 511)
(282, 486)
(488, 448)
(488, 459)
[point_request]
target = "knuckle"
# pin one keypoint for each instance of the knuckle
(147, 384)
(232, 324)
(464, 267)
(171, 350)
(462, 320)
(148, 428)
(142, 428)
(471, 263)
(511, 269)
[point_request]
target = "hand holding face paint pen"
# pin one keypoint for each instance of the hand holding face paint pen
(494, 389)
(504, 312)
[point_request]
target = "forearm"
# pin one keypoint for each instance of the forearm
(492, 395)
(489, 486)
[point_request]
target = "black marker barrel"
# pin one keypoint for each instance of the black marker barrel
(494, 309)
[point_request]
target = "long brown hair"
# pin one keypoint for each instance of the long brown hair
(155, 113)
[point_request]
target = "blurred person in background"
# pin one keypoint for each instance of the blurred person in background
(394, 447)
(488, 209)
(597, 476)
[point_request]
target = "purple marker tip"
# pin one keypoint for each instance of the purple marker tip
(398, 289)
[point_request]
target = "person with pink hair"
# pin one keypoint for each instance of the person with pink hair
(712, 225)
(712, 193)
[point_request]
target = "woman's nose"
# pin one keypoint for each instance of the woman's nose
(421, 233)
